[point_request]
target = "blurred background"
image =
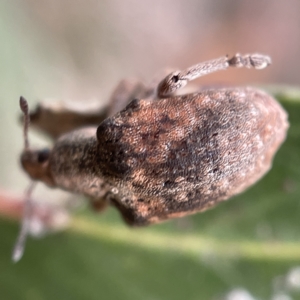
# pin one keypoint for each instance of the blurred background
(77, 51)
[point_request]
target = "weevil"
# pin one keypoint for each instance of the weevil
(155, 154)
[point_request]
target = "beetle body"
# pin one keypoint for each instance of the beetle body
(169, 156)
(175, 156)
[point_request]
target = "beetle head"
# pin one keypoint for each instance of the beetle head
(34, 162)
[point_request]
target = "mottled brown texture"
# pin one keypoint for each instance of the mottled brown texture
(174, 156)
(165, 158)
(184, 154)
(73, 163)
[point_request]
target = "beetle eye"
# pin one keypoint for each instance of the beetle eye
(175, 78)
(43, 155)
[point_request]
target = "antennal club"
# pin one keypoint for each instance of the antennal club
(25, 110)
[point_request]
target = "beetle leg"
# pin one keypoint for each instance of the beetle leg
(178, 79)
(56, 118)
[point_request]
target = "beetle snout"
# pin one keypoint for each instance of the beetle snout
(36, 164)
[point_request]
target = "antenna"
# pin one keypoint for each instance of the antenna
(25, 110)
(19, 247)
